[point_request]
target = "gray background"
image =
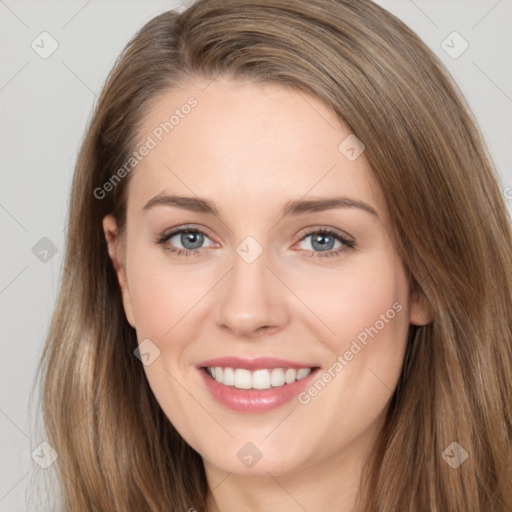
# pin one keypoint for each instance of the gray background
(45, 105)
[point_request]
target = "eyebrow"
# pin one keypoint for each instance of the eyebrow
(294, 207)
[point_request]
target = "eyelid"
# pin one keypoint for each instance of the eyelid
(163, 238)
(318, 227)
(185, 227)
(347, 241)
(308, 230)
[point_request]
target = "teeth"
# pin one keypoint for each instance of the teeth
(303, 372)
(277, 378)
(259, 379)
(290, 375)
(242, 378)
(229, 377)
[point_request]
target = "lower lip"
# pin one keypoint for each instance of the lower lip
(254, 400)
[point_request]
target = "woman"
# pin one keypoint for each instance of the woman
(288, 275)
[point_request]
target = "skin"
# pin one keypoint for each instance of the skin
(250, 148)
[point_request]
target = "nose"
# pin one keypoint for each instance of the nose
(252, 301)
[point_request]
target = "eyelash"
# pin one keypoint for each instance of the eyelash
(348, 245)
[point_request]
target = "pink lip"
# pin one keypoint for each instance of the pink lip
(253, 400)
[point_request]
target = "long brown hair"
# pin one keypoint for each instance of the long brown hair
(117, 450)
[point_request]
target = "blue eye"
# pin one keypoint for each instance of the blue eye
(190, 239)
(322, 244)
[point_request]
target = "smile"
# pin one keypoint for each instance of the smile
(255, 385)
(242, 378)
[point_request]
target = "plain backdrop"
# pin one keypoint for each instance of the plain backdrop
(46, 102)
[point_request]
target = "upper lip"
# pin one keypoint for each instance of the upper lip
(253, 364)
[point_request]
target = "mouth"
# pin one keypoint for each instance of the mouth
(264, 378)
(257, 385)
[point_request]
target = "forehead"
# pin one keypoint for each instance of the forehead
(266, 142)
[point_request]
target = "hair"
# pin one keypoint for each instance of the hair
(117, 449)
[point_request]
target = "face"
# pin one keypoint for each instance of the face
(259, 249)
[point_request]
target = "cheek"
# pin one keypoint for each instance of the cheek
(363, 301)
(370, 309)
(378, 320)
(161, 295)
(367, 313)
(370, 316)
(163, 300)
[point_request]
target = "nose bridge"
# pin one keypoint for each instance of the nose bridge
(249, 268)
(250, 301)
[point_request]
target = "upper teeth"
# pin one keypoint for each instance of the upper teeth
(258, 379)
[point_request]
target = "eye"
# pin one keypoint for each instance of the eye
(322, 243)
(184, 241)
